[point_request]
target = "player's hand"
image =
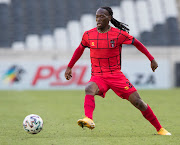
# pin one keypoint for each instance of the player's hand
(154, 65)
(68, 73)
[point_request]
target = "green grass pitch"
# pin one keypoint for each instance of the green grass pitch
(117, 121)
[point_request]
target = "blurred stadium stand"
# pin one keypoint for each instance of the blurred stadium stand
(59, 24)
(178, 6)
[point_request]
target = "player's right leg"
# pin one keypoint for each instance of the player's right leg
(86, 122)
(89, 105)
(96, 86)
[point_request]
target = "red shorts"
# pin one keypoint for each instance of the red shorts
(117, 82)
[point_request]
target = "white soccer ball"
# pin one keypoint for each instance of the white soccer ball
(33, 124)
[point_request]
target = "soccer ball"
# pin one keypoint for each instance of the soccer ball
(33, 124)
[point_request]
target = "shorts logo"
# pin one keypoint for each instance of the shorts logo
(112, 43)
(126, 88)
(92, 44)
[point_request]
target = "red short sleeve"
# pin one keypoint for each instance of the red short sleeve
(85, 42)
(125, 38)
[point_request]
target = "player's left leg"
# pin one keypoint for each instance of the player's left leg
(147, 112)
(124, 89)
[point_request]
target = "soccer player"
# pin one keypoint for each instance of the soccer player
(105, 43)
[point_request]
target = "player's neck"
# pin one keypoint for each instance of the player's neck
(104, 30)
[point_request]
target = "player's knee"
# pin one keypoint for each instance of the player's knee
(90, 90)
(139, 103)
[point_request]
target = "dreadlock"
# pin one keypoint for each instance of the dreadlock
(115, 22)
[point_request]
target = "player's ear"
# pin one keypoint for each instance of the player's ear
(109, 17)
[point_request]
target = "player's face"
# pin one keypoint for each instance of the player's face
(102, 18)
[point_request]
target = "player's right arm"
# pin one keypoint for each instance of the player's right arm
(77, 54)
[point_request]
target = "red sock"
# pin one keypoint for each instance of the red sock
(89, 105)
(150, 116)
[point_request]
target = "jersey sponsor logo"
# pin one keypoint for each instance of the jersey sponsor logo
(92, 44)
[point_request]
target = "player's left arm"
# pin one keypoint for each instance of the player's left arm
(125, 38)
(144, 50)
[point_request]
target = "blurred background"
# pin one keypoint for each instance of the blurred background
(38, 38)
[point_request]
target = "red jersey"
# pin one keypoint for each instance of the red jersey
(105, 49)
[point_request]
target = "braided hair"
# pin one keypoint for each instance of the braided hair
(115, 22)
